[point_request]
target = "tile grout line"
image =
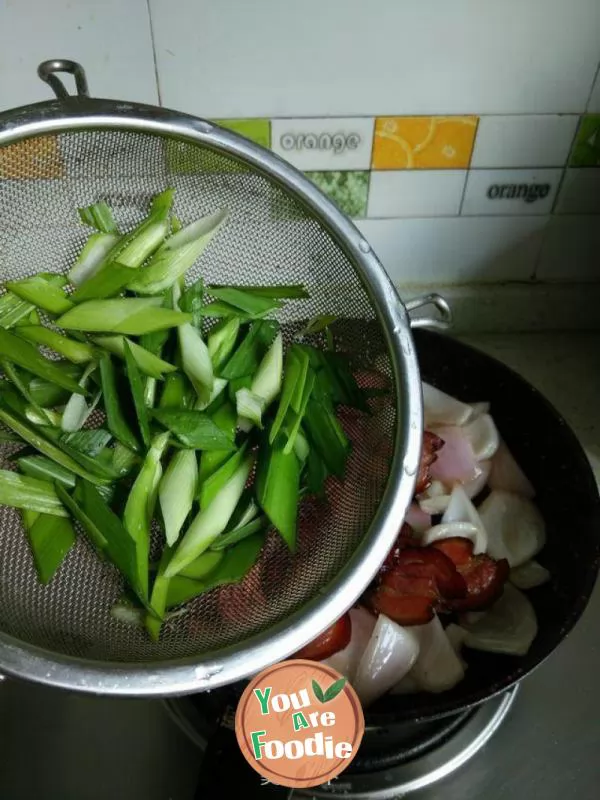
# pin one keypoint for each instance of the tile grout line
(154, 55)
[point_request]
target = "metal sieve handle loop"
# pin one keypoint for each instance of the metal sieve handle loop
(441, 322)
(47, 72)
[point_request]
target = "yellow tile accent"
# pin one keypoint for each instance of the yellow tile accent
(33, 158)
(423, 142)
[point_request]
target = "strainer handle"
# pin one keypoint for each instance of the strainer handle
(441, 322)
(47, 71)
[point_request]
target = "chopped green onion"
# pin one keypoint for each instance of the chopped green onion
(107, 282)
(292, 291)
(46, 470)
(249, 407)
(192, 301)
(278, 487)
(265, 385)
(177, 392)
(210, 522)
(25, 355)
(195, 358)
(47, 418)
(91, 258)
(221, 341)
(193, 429)
(139, 508)
(149, 363)
(12, 374)
(117, 421)
(136, 385)
(60, 452)
(177, 255)
(296, 370)
(22, 491)
(43, 292)
(318, 324)
(90, 443)
(220, 477)
(236, 563)
(206, 398)
(297, 414)
(247, 357)
(237, 535)
(202, 566)
(77, 410)
(13, 309)
(77, 352)
(123, 459)
(177, 491)
(105, 530)
(325, 433)
(99, 216)
(48, 394)
(248, 302)
(50, 539)
(225, 418)
(129, 315)
(158, 597)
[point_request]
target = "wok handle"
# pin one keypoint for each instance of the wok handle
(47, 72)
(443, 319)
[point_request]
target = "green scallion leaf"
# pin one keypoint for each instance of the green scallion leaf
(23, 491)
(193, 429)
(99, 216)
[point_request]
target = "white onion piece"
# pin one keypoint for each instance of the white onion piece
(515, 527)
(434, 505)
(471, 617)
(529, 575)
(477, 485)
(440, 408)
(456, 636)
(435, 489)
(456, 460)
(418, 519)
(408, 685)
(346, 660)
(483, 435)
(507, 475)
(509, 627)
(478, 409)
(461, 509)
(389, 655)
(437, 668)
(446, 530)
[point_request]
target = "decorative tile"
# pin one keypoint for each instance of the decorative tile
(456, 249)
(336, 58)
(571, 250)
(324, 144)
(423, 142)
(586, 150)
(111, 38)
(257, 130)
(540, 140)
(349, 190)
(580, 192)
(32, 158)
(416, 194)
(510, 191)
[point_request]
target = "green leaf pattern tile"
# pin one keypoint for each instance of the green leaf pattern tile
(586, 150)
(348, 190)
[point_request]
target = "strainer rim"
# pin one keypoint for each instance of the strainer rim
(192, 674)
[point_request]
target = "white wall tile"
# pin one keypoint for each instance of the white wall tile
(324, 144)
(594, 101)
(346, 57)
(111, 39)
(580, 192)
(456, 250)
(506, 191)
(416, 193)
(571, 250)
(529, 140)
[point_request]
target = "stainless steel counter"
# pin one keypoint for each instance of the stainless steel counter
(58, 746)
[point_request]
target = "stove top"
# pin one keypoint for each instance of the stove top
(540, 740)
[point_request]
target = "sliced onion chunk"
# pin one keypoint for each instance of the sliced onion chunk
(509, 627)
(515, 528)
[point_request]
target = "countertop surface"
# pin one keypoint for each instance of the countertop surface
(59, 746)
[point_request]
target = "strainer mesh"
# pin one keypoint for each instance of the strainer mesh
(269, 238)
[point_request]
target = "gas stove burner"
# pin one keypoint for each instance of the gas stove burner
(450, 750)
(392, 761)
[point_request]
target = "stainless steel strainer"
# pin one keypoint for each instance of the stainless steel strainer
(59, 155)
